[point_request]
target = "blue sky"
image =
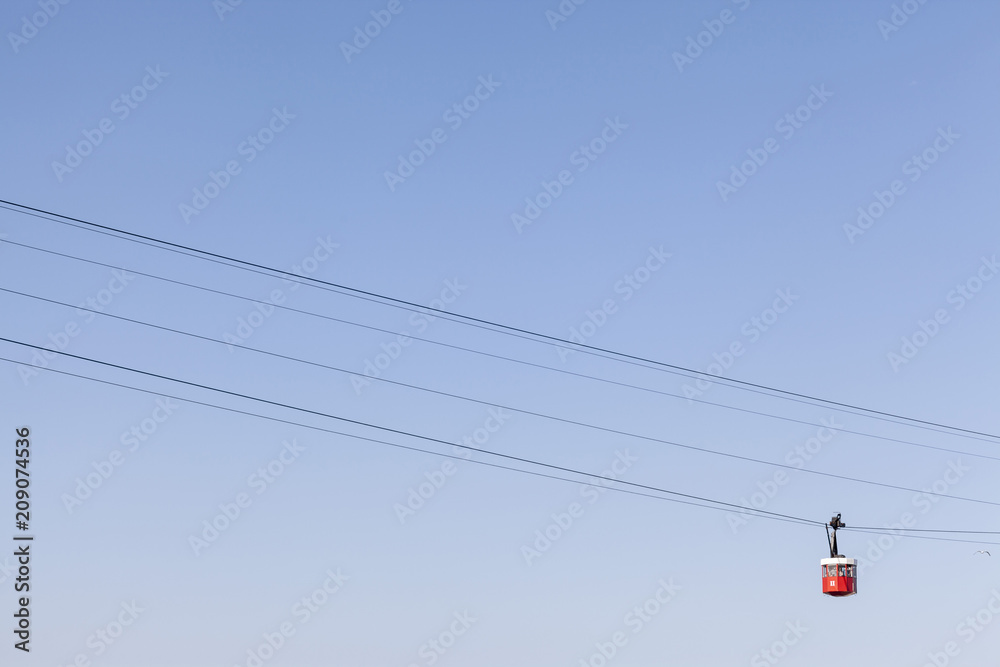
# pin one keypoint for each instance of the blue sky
(251, 130)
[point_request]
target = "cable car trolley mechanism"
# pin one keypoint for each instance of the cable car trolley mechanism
(840, 574)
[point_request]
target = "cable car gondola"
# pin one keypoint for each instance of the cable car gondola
(840, 574)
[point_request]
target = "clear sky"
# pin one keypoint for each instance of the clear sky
(802, 194)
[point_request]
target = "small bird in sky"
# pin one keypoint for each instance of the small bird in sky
(982, 552)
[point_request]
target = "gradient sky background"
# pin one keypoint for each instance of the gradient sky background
(322, 177)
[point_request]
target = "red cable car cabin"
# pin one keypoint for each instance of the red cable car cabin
(840, 576)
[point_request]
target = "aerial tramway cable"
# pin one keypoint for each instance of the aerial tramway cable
(465, 319)
(499, 356)
(582, 424)
(714, 504)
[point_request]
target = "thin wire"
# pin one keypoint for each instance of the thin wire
(466, 319)
(759, 513)
(751, 511)
(922, 537)
(386, 428)
(514, 409)
(515, 360)
(926, 530)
